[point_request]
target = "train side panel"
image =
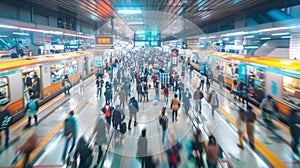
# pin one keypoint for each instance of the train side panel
(46, 78)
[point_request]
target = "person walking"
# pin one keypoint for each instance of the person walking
(198, 95)
(5, 121)
(221, 80)
(163, 121)
(241, 127)
(234, 89)
(117, 117)
(84, 152)
(244, 94)
(99, 84)
(133, 109)
(172, 82)
(294, 124)
(70, 132)
(122, 97)
(267, 109)
(100, 137)
(208, 79)
(31, 108)
(214, 102)
(212, 152)
(108, 95)
(66, 84)
(145, 88)
(142, 148)
(186, 100)
(250, 119)
(166, 94)
(26, 144)
(195, 147)
(175, 104)
(107, 111)
(156, 86)
(173, 148)
(139, 90)
(201, 82)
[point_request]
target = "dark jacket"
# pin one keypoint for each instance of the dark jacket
(133, 106)
(107, 93)
(5, 119)
(85, 152)
(118, 115)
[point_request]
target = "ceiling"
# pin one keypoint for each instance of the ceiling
(160, 15)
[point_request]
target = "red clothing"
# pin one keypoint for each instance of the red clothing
(154, 77)
(166, 92)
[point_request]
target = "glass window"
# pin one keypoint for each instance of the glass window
(71, 68)
(4, 93)
(57, 72)
(291, 90)
(255, 77)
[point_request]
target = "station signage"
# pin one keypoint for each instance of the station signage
(192, 41)
(104, 40)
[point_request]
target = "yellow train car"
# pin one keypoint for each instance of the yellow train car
(40, 77)
(279, 78)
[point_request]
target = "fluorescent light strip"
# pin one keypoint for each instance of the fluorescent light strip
(129, 11)
(20, 33)
(265, 38)
(280, 34)
(9, 27)
(3, 36)
(75, 35)
(285, 37)
(251, 47)
(135, 23)
(249, 37)
(235, 34)
(40, 31)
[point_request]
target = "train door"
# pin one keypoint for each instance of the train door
(31, 83)
(256, 81)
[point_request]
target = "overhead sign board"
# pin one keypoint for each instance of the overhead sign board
(104, 40)
(192, 41)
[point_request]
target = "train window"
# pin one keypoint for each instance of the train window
(72, 68)
(4, 93)
(291, 90)
(57, 72)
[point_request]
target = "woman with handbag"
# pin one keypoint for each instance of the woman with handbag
(175, 104)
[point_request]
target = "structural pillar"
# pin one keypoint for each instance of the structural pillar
(295, 46)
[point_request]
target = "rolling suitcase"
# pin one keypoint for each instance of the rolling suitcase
(123, 127)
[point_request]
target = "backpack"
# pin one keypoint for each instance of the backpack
(135, 104)
(69, 127)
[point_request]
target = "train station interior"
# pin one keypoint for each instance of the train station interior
(149, 83)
